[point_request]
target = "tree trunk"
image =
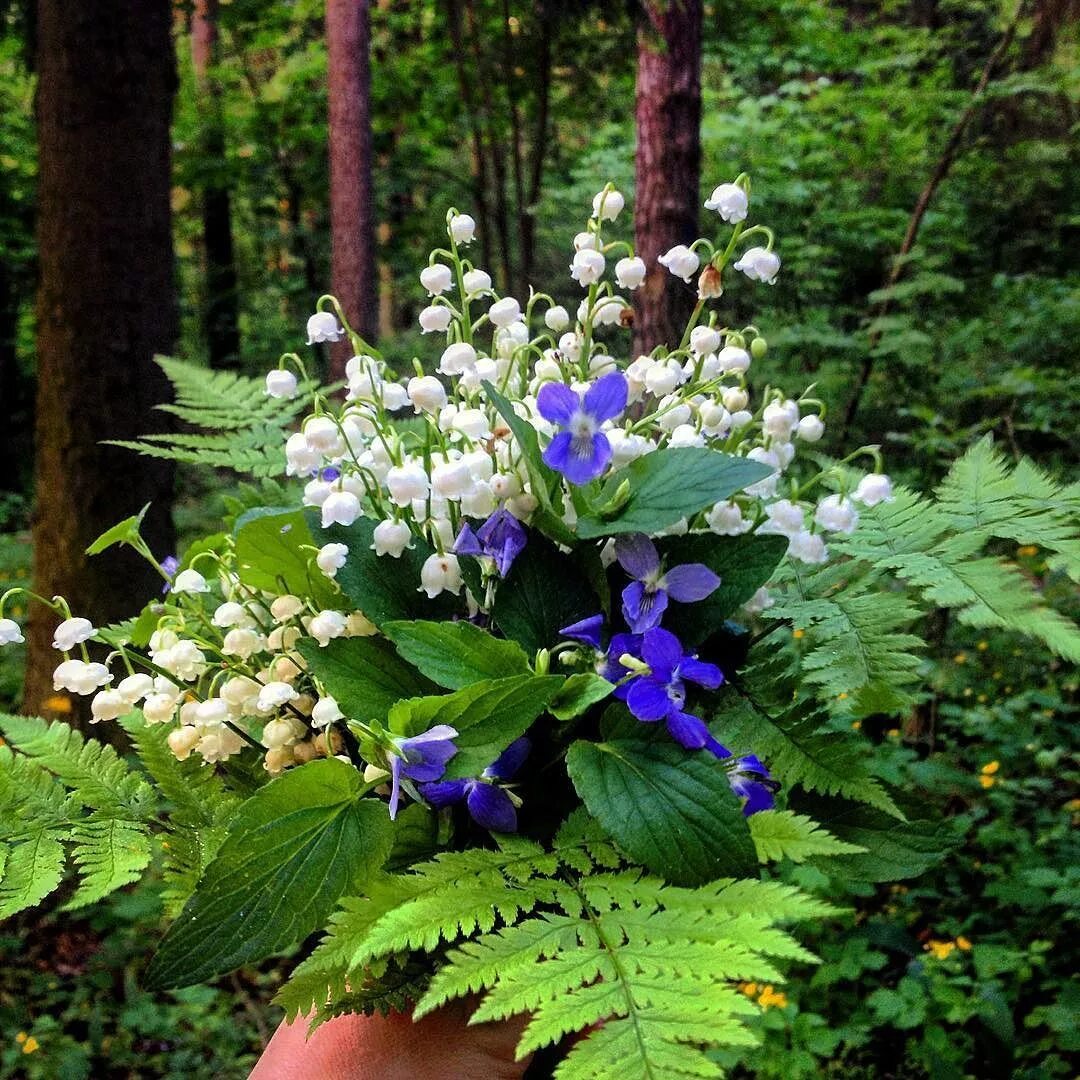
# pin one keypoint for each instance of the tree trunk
(668, 163)
(352, 210)
(105, 304)
(222, 311)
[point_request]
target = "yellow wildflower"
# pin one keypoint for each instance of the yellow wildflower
(771, 998)
(987, 781)
(856, 725)
(990, 768)
(963, 944)
(21, 1037)
(750, 989)
(798, 635)
(30, 1045)
(893, 733)
(1027, 551)
(960, 658)
(941, 949)
(983, 646)
(60, 703)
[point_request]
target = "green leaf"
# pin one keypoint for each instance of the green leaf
(456, 654)
(488, 717)
(578, 693)
(32, 870)
(668, 485)
(123, 532)
(293, 848)
(384, 588)
(782, 834)
(894, 849)
(668, 808)
(544, 592)
(270, 555)
(363, 674)
(744, 564)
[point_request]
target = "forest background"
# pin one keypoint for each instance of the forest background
(176, 190)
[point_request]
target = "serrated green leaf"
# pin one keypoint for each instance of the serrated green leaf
(668, 485)
(783, 834)
(488, 716)
(363, 674)
(456, 654)
(293, 848)
(668, 808)
(578, 693)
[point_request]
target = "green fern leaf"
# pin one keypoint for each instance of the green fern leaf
(32, 870)
(109, 855)
(782, 834)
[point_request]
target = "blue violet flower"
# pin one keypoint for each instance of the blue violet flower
(501, 538)
(581, 451)
(490, 805)
(645, 600)
(422, 758)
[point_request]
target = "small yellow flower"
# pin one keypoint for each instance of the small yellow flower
(968, 691)
(856, 725)
(1072, 806)
(893, 733)
(963, 944)
(960, 658)
(941, 949)
(983, 646)
(21, 1037)
(771, 998)
(990, 768)
(842, 696)
(30, 1045)
(982, 699)
(57, 703)
(798, 635)
(1027, 551)
(750, 989)
(987, 781)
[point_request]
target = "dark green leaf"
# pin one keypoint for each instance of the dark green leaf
(894, 849)
(668, 485)
(270, 554)
(488, 717)
(542, 479)
(455, 654)
(364, 675)
(293, 848)
(668, 808)
(544, 592)
(123, 532)
(744, 564)
(578, 693)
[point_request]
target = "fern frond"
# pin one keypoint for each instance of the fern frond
(782, 834)
(97, 777)
(238, 426)
(109, 855)
(32, 870)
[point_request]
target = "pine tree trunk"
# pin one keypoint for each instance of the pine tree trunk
(221, 315)
(668, 163)
(352, 210)
(106, 78)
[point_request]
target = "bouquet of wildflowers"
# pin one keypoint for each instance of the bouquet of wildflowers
(489, 693)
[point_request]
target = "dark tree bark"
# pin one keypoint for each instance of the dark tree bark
(221, 316)
(352, 205)
(105, 304)
(668, 162)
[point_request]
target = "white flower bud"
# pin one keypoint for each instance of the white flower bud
(10, 633)
(325, 712)
(732, 358)
(242, 642)
(135, 687)
(457, 358)
(504, 312)
(630, 273)
(273, 695)
(439, 573)
(809, 548)
(108, 705)
(785, 518)
(476, 282)
(78, 677)
(300, 458)
(662, 377)
(391, 538)
(340, 508)
(426, 393)
(182, 741)
(72, 632)
(322, 436)
(462, 228)
(323, 326)
(435, 318)
(278, 733)
(725, 519)
(331, 557)
(556, 319)
(873, 488)
(286, 607)
(777, 421)
(607, 205)
(407, 482)
(436, 278)
(190, 581)
(810, 428)
(280, 384)
(450, 479)
(837, 514)
(229, 614)
(587, 267)
(730, 201)
(471, 422)
(735, 398)
(159, 708)
(759, 601)
(680, 261)
(326, 626)
(759, 264)
(704, 339)
(585, 241)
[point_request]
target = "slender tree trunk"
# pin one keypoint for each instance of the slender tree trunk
(105, 304)
(352, 210)
(539, 142)
(222, 311)
(668, 162)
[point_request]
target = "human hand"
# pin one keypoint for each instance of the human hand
(355, 1047)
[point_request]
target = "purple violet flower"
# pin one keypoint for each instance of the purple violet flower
(586, 630)
(423, 758)
(646, 598)
(502, 538)
(661, 693)
(581, 451)
(749, 779)
(169, 565)
(490, 805)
